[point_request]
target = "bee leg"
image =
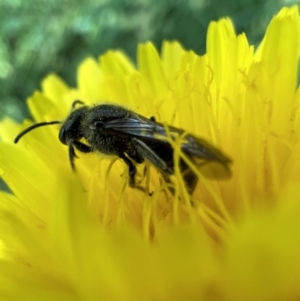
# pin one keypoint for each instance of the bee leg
(166, 169)
(132, 169)
(82, 147)
(72, 155)
(147, 153)
(189, 177)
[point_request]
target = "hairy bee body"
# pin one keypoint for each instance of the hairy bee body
(114, 130)
(96, 134)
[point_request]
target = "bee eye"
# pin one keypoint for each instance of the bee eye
(62, 135)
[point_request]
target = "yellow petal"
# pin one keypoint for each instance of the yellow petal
(151, 68)
(262, 261)
(115, 67)
(279, 52)
(89, 81)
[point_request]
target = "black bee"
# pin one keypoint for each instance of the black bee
(114, 130)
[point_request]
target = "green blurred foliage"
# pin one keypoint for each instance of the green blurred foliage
(43, 36)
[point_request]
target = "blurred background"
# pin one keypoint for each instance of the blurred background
(43, 36)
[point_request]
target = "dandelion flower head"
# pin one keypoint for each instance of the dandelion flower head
(89, 236)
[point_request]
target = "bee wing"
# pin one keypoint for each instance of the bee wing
(209, 160)
(198, 147)
(146, 129)
(139, 128)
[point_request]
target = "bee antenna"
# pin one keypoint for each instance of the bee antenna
(34, 126)
(76, 102)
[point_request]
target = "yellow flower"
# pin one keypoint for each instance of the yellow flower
(90, 237)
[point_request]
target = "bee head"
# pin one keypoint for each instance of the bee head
(70, 129)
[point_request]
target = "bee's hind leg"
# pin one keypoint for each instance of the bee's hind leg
(189, 177)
